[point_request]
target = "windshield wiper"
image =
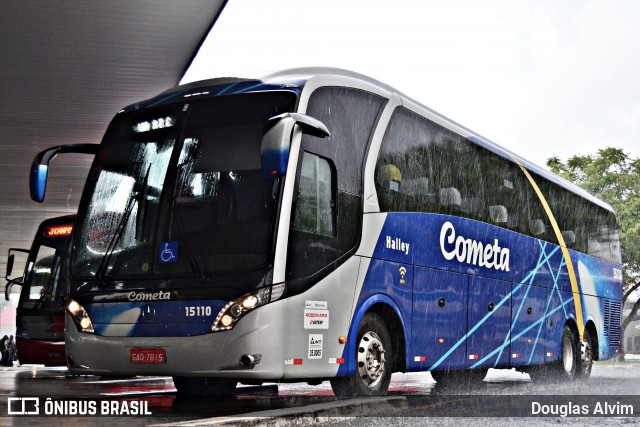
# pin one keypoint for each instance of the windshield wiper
(48, 287)
(117, 235)
(121, 228)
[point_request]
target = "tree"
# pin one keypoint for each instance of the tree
(614, 177)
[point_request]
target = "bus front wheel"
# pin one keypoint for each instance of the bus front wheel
(373, 361)
(202, 386)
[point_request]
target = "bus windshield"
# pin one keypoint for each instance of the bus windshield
(43, 285)
(178, 190)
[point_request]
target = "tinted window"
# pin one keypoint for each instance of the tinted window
(315, 202)
(350, 115)
(41, 289)
(424, 167)
(585, 227)
(326, 225)
(178, 190)
(459, 176)
(404, 174)
(511, 201)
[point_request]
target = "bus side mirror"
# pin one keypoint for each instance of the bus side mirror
(40, 166)
(274, 152)
(11, 259)
(38, 181)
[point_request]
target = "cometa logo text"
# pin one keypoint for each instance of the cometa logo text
(471, 251)
(157, 296)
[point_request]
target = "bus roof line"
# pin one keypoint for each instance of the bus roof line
(309, 72)
(298, 77)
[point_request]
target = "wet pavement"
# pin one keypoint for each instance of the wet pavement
(153, 400)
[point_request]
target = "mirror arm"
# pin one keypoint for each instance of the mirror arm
(308, 124)
(40, 165)
(45, 156)
(274, 150)
(7, 289)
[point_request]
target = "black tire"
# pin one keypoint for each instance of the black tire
(587, 355)
(569, 362)
(374, 361)
(202, 386)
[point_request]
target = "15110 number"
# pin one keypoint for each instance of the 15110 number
(199, 310)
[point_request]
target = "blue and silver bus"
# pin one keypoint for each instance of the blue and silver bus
(317, 224)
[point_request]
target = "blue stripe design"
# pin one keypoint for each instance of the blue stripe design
(167, 98)
(535, 274)
(218, 90)
(542, 260)
(539, 321)
(247, 89)
(228, 88)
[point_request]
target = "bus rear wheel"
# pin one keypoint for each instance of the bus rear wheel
(569, 362)
(374, 361)
(202, 386)
(586, 356)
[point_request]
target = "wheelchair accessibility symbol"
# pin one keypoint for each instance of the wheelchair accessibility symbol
(168, 252)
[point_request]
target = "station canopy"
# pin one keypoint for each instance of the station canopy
(66, 68)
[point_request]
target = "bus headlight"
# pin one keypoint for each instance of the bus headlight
(235, 309)
(80, 317)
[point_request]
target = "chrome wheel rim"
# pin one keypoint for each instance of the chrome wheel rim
(371, 360)
(567, 356)
(586, 355)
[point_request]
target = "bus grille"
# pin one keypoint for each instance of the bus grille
(612, 319)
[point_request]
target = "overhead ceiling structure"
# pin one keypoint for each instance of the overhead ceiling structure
(66, 68)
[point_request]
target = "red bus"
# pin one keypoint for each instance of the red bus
(40, 311)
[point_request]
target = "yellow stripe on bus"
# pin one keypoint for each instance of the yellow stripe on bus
(565, 252)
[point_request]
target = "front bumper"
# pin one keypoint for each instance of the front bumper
(217, 354)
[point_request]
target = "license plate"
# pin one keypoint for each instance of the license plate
(147, 355)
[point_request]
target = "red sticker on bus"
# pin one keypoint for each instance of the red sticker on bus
(147, 355)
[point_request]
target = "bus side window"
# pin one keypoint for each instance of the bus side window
(584, 226)
(507, 193)
(314, 209)
(403, 175)
(603, 237)
(326, 218)
(460, 176)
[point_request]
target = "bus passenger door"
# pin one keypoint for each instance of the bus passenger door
(528, 326)
(439, 320)
(489, 321)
